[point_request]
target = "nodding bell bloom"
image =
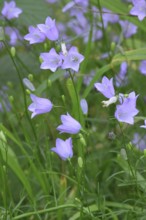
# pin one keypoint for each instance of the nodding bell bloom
(69, 125)
(39, 105)
(126, 111)
(106, 87)
(10, 10)
(63, 148)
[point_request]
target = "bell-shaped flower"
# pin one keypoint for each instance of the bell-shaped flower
(139, 9)
(51, 60)
(106, 87)
(69, 125)
(126, 111)
(49, 29)
(39, 105)
(63, 148)
(35, 35)
(10, 10)
(72, 59)
(142, 67)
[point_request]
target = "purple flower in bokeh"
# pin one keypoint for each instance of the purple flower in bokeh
(34, 36)
(143, 126)
(39, 105)
(63, 148)
(49, 29)
(109, 17)
(4, 100)
(51, 1)
(121, 78)
(106, 87)
(51, 60)
(139, 9)
(10, 10)
(139, 142)
(84, 106)
(72, 60)
(126, 110)
(88, 78)
(69, 125)
(142, 67)
(128, 28)
(13, 34)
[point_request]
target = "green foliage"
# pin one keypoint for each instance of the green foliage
(106, 178)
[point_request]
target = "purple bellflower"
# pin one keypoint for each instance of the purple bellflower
(126, 111)
(109, 17)
(69, 125)
(63, 148)
(143, 126)
(39, 105)
(35, 35)
(121, 78)
(13, 34)
(49, 29)
(139, 9)
(106, 87)
(128, 28)
(72, 59)
(139, 142)
(51, 60)
(142, 67)
(10, 10)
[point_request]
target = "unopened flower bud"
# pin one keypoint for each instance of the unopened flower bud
(30, 77)
(123, 154)
(49, 83)
(113, 45)
(84, 106)
(28, 84)
(11, 98)
(2, 35)
(80, 162)
(13, 51)
(82, 140)
(63, 98)
(28, 91)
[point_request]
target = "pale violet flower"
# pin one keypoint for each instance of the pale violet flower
(10, 10)
(35, 35)
(106, 87)
(49, 29)
(69, 125)
(51, 60)
(142, 67)
(84, 106)
(126, 111)
(39, 105)
(139, 9)
(72, 59)
(63, 148)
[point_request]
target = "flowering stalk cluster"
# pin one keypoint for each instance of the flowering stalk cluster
(126, 107)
